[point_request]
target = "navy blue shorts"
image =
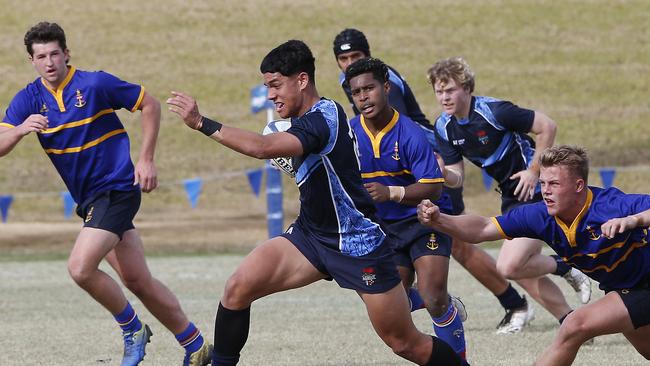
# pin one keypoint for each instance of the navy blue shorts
(509, 202)
(412, 240)
(111, 211)
(372, 273)
(637, 302)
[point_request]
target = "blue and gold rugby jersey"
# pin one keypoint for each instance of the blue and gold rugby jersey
(617, 263)
(399, 155)
(493, 137)
(85, 140)
(335, 207)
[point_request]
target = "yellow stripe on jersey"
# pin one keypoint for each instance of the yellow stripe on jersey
(58, 93)
(613, 266)
(86, 146)
(2, 124)
(570, 232)
(431, 180)
(82, 122)
(376, 140)
(496, 223)
(618, 245)
(382, 173)
(140, 97)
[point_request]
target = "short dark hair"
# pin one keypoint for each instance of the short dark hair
(349, 40)
(375, 66)
(573, 157)
(290, 58)
(44, 32)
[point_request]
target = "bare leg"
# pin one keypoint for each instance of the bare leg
(588, 322)
(521, 259)
(481, 265)
(129, 262)
(390, 316)
(91, 246)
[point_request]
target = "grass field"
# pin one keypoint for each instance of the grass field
(46, 319)
(584, 63)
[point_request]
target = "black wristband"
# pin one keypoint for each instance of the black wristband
(209, 127)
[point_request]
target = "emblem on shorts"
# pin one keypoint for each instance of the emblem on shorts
(368, 276)
(43, 109)
(625, 291)
(89, 215)
(80, 100)
(395, 155)
(433, 242)
(592, 233)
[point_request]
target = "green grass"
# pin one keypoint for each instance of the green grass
(584, 63)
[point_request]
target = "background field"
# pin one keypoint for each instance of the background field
(584, 63)
(47, 320)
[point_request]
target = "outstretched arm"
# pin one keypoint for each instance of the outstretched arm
(622, 224)
(145, 169)
(544, 129)
(281, 144)
(10, 136)
(470, 228)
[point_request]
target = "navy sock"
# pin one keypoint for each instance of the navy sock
(449, 328)
(415, 299)
(230, 335)
(442, 354)
(510, 298)
(562, 267)
(128, 319)
(191, 338)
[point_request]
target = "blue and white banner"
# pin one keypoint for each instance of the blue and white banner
(259, 101)
(68, 204)
(255, 180)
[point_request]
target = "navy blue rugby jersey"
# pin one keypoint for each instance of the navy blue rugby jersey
(334, 205)
(493, 137)
(85, 139)
(617, 263)
(400, 97)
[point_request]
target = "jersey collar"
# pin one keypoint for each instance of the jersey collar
(376, 140)
(570, 231)
(58, 92)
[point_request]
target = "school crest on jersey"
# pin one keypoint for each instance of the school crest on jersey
(592, 233)
(395, 155)
(80, 100)
(368, 276)
(43, 109)
(433, 242)
(482, 137)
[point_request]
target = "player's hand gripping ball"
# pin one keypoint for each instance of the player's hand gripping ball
(283, 164)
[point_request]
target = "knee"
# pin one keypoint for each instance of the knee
(80, 273)
(460, 251)
(399, 346)
(237, 292)
(138, 285)
(508, 270)
(575, 329)
(436, 302)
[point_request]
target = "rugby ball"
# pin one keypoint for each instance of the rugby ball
(283, 164)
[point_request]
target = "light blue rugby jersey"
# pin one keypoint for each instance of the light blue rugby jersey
(617, 263)
(399, 155)
(85, 139)
(335, 207)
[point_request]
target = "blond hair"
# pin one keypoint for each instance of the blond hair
(453, 68)
(573, 157)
